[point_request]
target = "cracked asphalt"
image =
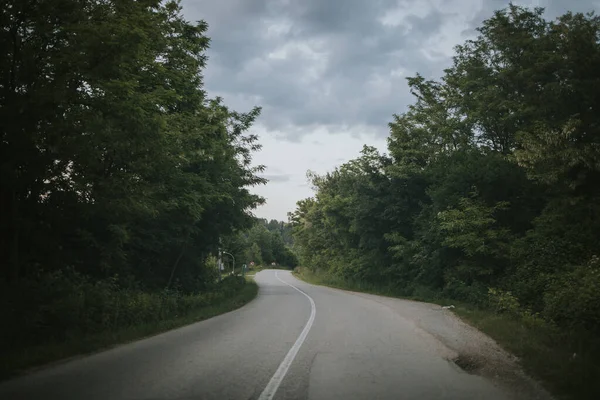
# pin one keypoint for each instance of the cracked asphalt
(359, 347)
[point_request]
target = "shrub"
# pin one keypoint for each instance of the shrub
(573, 299)
(61, 305)
(459, 290)
(503, 301)
(424, 293)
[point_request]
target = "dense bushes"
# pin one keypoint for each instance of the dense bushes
(489, 194)
(59, 306)
(489, 197)
(573, 299)
(119, 174)
(265, 243)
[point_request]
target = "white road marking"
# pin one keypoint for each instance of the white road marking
(275, 381)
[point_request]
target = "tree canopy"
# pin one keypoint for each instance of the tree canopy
(265, 243)
(491, 184)
(114, 159)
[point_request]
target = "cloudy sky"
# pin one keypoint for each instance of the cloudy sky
(329, 74)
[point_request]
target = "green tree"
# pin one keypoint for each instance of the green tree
(254, 254)
(115, 160)
(513, 117)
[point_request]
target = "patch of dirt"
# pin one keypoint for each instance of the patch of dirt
(467, 364)
(468, 348)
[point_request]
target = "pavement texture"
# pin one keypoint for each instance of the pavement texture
(358, 347)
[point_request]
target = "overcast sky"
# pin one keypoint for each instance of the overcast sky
(329, 74)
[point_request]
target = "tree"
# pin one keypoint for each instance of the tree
(115, 160)
(253, 254)
(491, 179)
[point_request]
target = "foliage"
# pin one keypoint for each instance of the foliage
(119, 174)
(115, 160)
(94, 315)
(58, 306)
(266, 242)
(254, 254)
(502, 301)
(572, 299)
(489, 194)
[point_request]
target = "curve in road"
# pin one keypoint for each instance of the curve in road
(294, 341)
(277, 378)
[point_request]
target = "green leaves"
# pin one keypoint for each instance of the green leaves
(265, 242)
(112, 136)
(492, 178)
(470, 227)
(531, 85)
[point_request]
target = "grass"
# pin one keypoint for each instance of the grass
(23, 359)
(567, 363)
(357, 286)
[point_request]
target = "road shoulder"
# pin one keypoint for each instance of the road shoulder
(462, 344)
(48, 355)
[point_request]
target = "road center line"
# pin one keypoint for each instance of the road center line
(277, 378)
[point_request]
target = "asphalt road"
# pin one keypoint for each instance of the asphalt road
(295, 341)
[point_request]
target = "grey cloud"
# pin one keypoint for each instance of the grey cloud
(338, 16)
(277, 178)
(339, 61)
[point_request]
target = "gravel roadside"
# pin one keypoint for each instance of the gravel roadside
(462, 344)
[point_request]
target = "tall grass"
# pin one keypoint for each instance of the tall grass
(60, 315)
(565, 361)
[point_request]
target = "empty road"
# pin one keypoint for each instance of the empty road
(294, 341)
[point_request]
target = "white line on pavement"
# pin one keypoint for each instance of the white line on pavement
(275, 381)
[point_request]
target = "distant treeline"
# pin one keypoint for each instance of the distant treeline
(265, 243)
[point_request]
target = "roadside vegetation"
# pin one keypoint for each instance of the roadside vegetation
(95, 316)
(489, 197)
(267, 244)
(562, 360)
(119, 177)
